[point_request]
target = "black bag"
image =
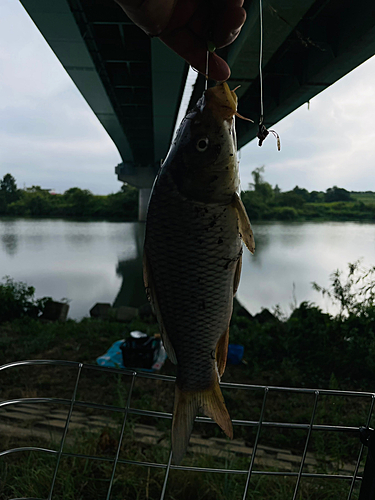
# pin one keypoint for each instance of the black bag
(140, 351)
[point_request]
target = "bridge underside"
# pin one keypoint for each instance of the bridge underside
(307, 46)
(134, 84)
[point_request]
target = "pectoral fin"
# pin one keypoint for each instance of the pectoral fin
(151, 295)
(222, 352)
(244, 223)
(237, 275)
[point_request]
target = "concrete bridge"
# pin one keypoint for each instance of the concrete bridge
(134, 84)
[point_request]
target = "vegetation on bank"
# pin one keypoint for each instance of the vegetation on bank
(309, 348)
(262, 201)
(75, 202)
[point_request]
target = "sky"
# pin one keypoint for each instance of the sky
(50, 137)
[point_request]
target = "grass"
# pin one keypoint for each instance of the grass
(364, 197)
(29, 474)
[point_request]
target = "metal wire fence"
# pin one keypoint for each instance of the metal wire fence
(260, 426)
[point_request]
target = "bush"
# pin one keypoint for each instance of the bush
(311, 347)
(17, 301)
(290, 199)
(337, 194)
(284, 213)
(75, 202)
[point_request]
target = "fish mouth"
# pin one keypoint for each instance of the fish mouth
(221, 101)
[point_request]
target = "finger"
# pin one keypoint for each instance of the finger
(218, 69)
(228, 24)
(152, 16)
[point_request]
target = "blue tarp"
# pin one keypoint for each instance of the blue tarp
(235, 354)
(113, 357)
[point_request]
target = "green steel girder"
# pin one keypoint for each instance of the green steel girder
(330, 40)
(132, 83)
(307, 47)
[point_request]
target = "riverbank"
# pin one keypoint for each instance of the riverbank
(339, 211)
(308, 348)
(73, 203)
(117, 210)
(263, 203)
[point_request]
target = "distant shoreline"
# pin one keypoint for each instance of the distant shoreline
(85, 218)
(262, 202)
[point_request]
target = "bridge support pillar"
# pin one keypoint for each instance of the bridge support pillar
(144, 196)
(140, 177)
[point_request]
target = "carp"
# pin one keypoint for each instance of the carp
(196, 223)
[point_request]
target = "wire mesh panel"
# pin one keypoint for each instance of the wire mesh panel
(100, 435)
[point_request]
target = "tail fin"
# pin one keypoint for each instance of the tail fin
(186, 407)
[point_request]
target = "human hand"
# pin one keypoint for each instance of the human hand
(187, 25)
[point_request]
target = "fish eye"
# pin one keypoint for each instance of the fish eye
(202, 144)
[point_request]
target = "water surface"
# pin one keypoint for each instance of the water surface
(290, 256)
(89, 262)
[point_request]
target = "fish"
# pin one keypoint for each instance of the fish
(195, 226)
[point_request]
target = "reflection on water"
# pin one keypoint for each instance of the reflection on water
(132, 292)
(9, 238)
(77, 240)
(9, 242)
(76, 260)
(90, 262)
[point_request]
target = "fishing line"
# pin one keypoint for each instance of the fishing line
(206, 79)
(263, 132)
(211, 47)
(261, 60)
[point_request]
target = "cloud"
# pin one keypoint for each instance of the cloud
(49, 136)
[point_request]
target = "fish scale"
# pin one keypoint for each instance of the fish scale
(196, 309)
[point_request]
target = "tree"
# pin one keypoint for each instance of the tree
(302, 192)
(37, 189)
(290, 199)
(8, 188)
(336, 194)
(316, 197)
(258, 178)
(80, 200)
(262, 188)
(8, 184)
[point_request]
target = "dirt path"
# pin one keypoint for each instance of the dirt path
(46, 423)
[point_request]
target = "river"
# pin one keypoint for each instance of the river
(89, 262)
